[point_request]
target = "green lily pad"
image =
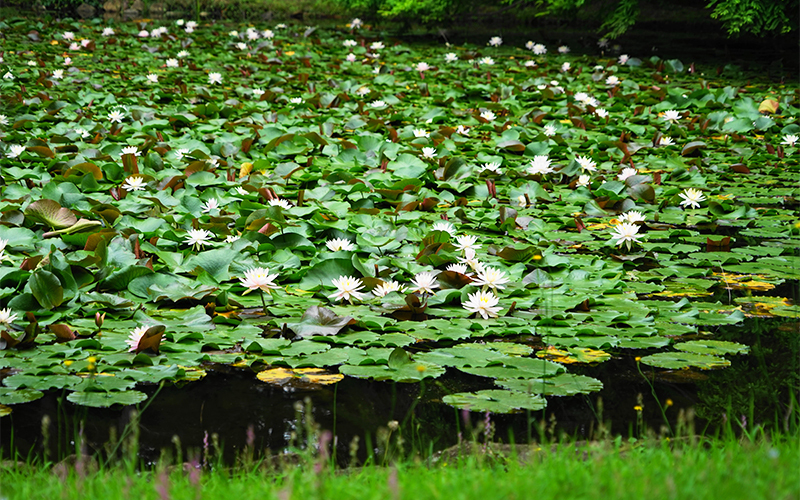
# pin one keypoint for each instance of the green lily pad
(106, 399)
(680, 360)
(496, 401)
(565, 384)
(715, 347)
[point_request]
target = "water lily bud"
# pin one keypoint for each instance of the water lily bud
(99, 318)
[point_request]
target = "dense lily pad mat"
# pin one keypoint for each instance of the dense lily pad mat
(324, 202)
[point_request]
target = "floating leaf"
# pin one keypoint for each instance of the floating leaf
(679, 360)
(566, 384)
(10, 396)
(573, 355)
(106, 399)
(299, 377)
(318, 320)
(51, 213)
(496, 401)
(716, 347)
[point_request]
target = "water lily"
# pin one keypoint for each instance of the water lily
(418, 132)
(445, 226)
(3, 120)
(241, 46)
(259, 278)
(665, 140)
(583, 180)
(108, 32)
(280, 202)
(483, 303)
(790, 140)
(563, 49)
(692, 198)
(540, 165)
(458, 268)
(586, 163)
(462, 130)
(355, 23)
(347, 288)
(549, 130)
(296, 100)
(376, 46)
(530, 63)
(425, 282)
(467, 242)
(211, 204)
(470, 259)
(495, 41)
(602, 113)
(625, 233)
(565, 67)
(68, 35)
(172, 63)
(486, 61)
(632, 217)
(214, 78)
(671, 115)
(337, 244)
(539, 49)
(350, 57)
(135, 337)
(134, 183)
(489, 277)
(386, 287)
(450, 57)
(58, 74)
(15, 150)
(488, 115)
(612, 81)
(422, 66)
(83, 133)
(183, 54)
(627, 172)
(623, 59)
(349, 43)
(115, 116)
(198, 238)
(377, 104)
(493, 167)
(429, 152)
(130, 150)
(6, 318)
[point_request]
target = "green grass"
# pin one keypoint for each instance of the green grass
(651, 470)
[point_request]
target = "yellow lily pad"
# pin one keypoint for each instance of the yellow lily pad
(5, 410)
(299, 376)
(573, 355)
(744, 281)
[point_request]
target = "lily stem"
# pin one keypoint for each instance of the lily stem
(263, 302)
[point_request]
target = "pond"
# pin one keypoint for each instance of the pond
(213, 225)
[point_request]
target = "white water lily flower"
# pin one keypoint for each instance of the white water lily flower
(211, 204)
(422, 66)
(671, 115)
(418, 132)
(172, 63)
(602, 113)
(692, 198)
(252, 34)
(489, 277)
(458, 268)
(134, 183)
(362, 91)
(198, 238)
(233, 33)
(337, 244)
(296, 100)
(488, 116)
(116, 116)
(612, 80)
(483, 303)
(790, 140)
(623, 58)
(280, 202)
(180, 152)
(130, 150)
(355, 23)
(83, 133)
(3, 120)
(347, 288)
(495, 41)
(15, 150)
(214, 78)
(68, 35)
(388, 286)
(268, 34)
(586, 163)
(665, 140)
(627, 172)
(349, 43)
(58, 74)
(549, 130)
(258, 278)
(67, 61)
(486, 61)
(462, 130)
(152, 78)
(632, 217)
(376, 46)
(350, 57)
(493, 167)
(143, 34)
(241, 46)
(108, 32)
(425, 282)
(445, 226)
(540, 165)
(429, 152)
(182, 54)
(583, 180)
(377, 104)
(539, 49)
(231, 238)
(470, 258)
(6, 318)
(530, 63)
(450, 57)
(135, 336)
(625, 233)
(565, 67)
(466, 242)
(258, 92)
(563, 49)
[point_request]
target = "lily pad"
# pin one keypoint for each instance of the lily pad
(496, 401)
(681, 360)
